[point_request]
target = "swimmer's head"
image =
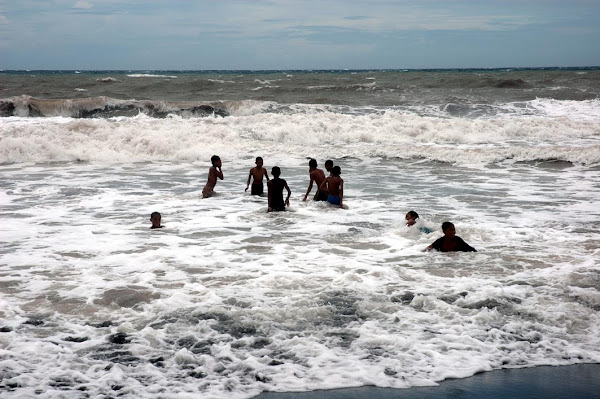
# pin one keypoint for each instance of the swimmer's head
(448, 229)
(411, 218)
(328, 164)
(155, 219)
(276, 171)
(336, 171)
(259, 162)
(215, 160)
(312, 163)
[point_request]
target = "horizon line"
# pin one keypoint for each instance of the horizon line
(298, 70)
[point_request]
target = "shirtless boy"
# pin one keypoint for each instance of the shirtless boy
(213, 173)
(450, 242)
(257, 173)
(334, 185)
(318, 176)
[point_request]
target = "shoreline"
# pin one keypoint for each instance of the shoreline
(557, 382)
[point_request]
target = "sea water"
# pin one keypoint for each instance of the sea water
(227, 300)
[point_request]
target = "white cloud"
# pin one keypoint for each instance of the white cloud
(84, 4)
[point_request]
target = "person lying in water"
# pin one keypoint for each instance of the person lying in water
(411, 219)
(450, 242)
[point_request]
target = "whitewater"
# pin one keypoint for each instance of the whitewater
(228, 301)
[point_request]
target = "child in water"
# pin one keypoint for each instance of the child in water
(450, 242)
(155, 219)
(318, 176)
(334, 185)
(329, 166)
(411, 219)
(258, 172)
(275, 192)
(213, 173)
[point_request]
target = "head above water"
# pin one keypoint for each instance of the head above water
(448, 229)
(276, 171)
(411, 218)
(155, 218)
(259, 160)
(336, 171)
(328, 164)
(312, 163)
(215, 159)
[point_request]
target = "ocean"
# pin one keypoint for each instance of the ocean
(227, 300)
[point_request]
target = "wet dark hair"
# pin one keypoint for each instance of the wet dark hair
(154, 214)
(413, 214)
(446, 226)
(276, 171)
(329, 162)
(312, 163)
(214, 159)
(336, 171)
(259, 159)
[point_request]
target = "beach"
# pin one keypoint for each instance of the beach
(230, 301)
(575, 381)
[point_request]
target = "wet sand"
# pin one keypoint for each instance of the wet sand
(580, 381)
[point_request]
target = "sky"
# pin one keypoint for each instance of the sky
(286, 34)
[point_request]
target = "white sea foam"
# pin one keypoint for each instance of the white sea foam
(150, 75)
(227, 300)
(385, 134)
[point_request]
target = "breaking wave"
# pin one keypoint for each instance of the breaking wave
(104, 107)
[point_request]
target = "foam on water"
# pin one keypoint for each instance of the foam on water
(545, 131)
(227, 301)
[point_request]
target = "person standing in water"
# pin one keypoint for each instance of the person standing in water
(275, 191)
(258, 172)
(318, 176)
(328, 166)
(450, 242)
(213, 173)
(334, 186)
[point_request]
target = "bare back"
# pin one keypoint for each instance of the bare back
(335, 185)
(318, 176)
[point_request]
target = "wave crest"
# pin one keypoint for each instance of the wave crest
(391, 134)
(104, 107)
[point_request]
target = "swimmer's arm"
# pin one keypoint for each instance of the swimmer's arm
(341, 192)
(266, 174)
(323, 186)
(219, 172)
(269, 209)
(309, 187)
(248, 182)
(287, 200)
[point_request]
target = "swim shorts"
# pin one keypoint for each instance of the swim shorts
(257, 189)
(334, 199)
(321, 196)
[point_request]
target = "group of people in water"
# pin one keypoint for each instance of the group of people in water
(329, 188)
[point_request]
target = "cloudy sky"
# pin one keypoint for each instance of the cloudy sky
(287, 34)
